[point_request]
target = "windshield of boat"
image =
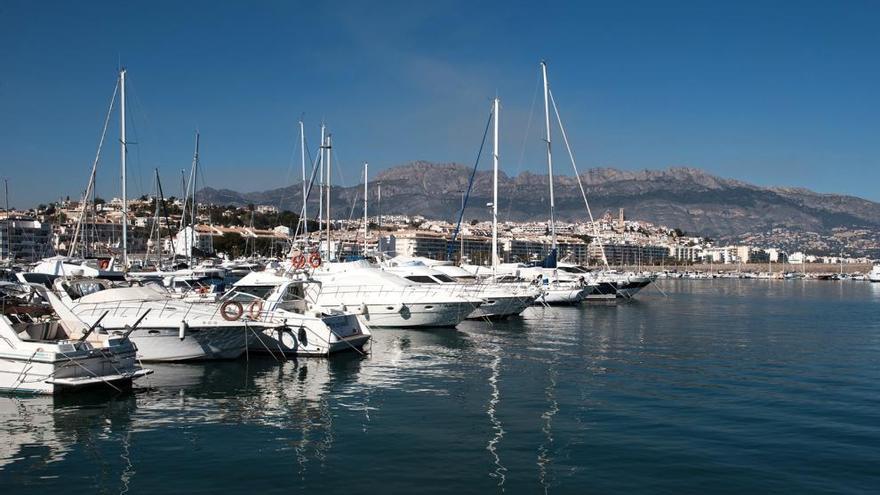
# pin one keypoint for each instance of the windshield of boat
(421, 279)
(82, 288)
(260, 291)
(444, 278)
(242, 297)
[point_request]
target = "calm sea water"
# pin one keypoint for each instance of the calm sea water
(724, 386)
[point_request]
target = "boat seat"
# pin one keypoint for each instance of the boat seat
(41, 332)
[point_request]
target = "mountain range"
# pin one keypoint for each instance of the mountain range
(685, 198)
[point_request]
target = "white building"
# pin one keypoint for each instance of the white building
(24, 238)
(201, 239)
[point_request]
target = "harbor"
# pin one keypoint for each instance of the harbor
(452, 248)
(724, 388)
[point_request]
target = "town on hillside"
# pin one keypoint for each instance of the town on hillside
(160, 228)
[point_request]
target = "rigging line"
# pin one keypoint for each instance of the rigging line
(522, 152)
(283, 195)
(309, 189)
(450, 246)
(167, 219)
(576, 174)
(201, 171)
(312, 163)
(136, 110)
(354, 203)
(90, 188)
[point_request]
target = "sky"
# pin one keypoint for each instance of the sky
(774, 93)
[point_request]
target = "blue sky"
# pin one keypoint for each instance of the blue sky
(775, 93)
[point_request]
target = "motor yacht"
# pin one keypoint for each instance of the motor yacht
(41, 356)
(557, 287)
(499, 301)
(302, 327)
(388, 300)
(170, 330)
(49, 269)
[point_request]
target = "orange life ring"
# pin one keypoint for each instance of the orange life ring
(315, 260)
(104, 264)
(299, 261)
(235, 315)
(255, 309)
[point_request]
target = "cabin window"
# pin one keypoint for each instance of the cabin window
(83, 289)
(444, 278)
(255, 290)
(293, 293)
(421, 279)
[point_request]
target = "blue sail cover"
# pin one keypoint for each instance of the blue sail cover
(550, 260)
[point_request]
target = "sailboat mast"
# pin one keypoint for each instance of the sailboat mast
(9, 254)
(495, 159)
(549, 155)
(321, 184)
(379, 216)
(327, 191)
(124, 152)
(192, 197)
(366, 191)
(156, 225)
(302, 149)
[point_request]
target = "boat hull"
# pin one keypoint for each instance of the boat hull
(563, 296)
(313, 337)
(51, 376)
(447, 314)
(502, 307)
(163, 344)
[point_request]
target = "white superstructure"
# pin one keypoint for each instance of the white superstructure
(173, 330)
(387, 300)
(302, 328)
(39, 356)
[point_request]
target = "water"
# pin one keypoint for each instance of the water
(724, 386)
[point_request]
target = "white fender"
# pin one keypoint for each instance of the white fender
(287, 339)
(181, 332)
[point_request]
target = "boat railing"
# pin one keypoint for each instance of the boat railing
(380, 291)
(125, 308)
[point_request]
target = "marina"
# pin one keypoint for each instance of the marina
(417, 248)
(734, 386)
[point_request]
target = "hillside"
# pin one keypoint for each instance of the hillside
(687, 198)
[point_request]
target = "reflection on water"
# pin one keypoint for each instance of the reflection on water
(753, 386)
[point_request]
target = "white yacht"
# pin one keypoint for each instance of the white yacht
(39, 356)
(172, 330)
(499, 301)
(557, 286)
(609, 284)
(302, 328)
(49, 269)
(874, 274)
(387, 300)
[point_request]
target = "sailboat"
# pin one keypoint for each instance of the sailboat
(499, 301)
(105, 267)
(604, 284)
(195, 282)
(557, 287)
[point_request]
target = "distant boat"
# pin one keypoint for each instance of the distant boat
(874, 275)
